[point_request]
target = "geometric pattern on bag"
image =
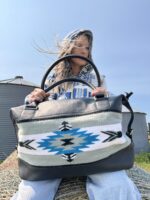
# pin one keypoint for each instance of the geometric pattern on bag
(70, 143)
(60, 138)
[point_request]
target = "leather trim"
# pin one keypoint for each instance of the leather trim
(124, 159)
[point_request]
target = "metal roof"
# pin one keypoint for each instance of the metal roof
(18, 80)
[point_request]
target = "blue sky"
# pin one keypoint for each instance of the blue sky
(121, 48)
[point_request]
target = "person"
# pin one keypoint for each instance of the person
(103, 186)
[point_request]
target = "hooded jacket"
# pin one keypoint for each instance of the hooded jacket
(77, 90)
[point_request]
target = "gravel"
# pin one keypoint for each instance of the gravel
(9, 181)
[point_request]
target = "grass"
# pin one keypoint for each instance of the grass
(143, 161)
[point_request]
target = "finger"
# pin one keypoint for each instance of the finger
(39, 92)
(48, 94)
(38, 99)
(98, 91)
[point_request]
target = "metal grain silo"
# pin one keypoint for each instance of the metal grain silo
(12, 93)
(140, 130)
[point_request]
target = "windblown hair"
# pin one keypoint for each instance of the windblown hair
(63, 69)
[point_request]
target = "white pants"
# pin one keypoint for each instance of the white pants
(103, 186)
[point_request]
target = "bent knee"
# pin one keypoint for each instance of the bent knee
(117, 179)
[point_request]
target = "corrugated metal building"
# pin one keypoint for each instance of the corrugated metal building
(140, 130)
(12, 93)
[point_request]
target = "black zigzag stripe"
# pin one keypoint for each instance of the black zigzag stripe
(69, 157)
(112, 135)
(26, 144)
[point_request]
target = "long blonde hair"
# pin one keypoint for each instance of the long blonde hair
(63, 69)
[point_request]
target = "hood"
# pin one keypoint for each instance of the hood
(74, 34)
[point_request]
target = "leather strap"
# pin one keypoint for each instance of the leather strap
(69, 80)
(126, 103)
(66, 58)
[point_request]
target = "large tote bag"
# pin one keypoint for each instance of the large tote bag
(72, 137)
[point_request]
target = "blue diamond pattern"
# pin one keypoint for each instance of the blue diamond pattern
(83, 137)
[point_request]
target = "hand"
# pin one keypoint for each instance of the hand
(99, 91)
(37, 95)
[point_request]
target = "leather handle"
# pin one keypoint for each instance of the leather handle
(69, 80)
(65, 58)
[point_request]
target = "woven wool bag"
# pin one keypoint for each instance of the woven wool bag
(72, 137)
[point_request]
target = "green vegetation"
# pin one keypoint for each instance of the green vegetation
(142, 160)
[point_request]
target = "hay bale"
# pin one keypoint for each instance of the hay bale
(9, 181)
